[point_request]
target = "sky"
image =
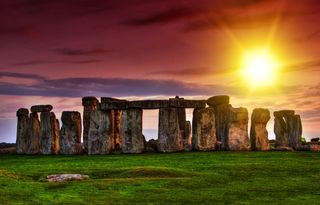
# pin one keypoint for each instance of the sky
(56, 52)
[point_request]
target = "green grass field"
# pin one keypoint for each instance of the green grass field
(179, 178)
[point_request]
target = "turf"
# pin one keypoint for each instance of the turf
(179, 178)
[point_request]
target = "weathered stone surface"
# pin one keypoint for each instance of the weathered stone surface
(131, 131)
(238, 138)
(283, 148)
(34, 134)
(258, 131)
(170, 136)
(117, 130)
(89, 104)
(70, 133)
(204, 129)
(280, 130)
(295, 130)
(100, 140)
(187, 137)
(22, 131)
(49, 137)
(112, 104)
(314, 147)
(218, 100)
(41, 108)
(66, 177)
(152, 146)
(283, 113)
(222, 125)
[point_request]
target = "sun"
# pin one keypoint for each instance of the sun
(259, 68)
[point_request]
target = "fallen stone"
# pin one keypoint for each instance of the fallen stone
(41, 108)
(170, 137)
(22, 131)
(283, 148)
(314, 147)
(89, 104)
(204, 129)
(66, 177)
(131, 131)
(34, 131)
(258, 131)
(100, 139)
(218, 100)
(152, 146)
(238, 138)
(70, 133)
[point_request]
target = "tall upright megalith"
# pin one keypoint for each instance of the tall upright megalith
(221, 106)
(22, 131)
(100, 138)
(258, 131)
(117, 129)
(131, 131)
(89, 104)
(238, 138)
(34, 131)
(70, 133)
(204, 129)
(170, 137)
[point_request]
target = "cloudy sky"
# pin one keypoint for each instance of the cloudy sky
(59, 51)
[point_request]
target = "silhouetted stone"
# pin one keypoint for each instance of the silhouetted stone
(131, 131)
(41, 108)
(258, 131)
(100, 139)
(238, 138)
(70, 134)
(315, 139)
(34, 134)
(49, 137)
(152, 146)
(22, 131)
(218, 100)
(170, 137)
(204, 129)
(89, 104)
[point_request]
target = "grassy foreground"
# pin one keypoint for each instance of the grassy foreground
(179, 178)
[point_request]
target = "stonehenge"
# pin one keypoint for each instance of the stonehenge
(116, 125)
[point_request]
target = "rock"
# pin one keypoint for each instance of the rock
(258, 131)
(187, 137)
(218, 100)
(41, 108)
(295, 130)
(314, 147)
(131, 131)
(100, 139)
(49, 136)
(70, 134)
(34, 131)
(315, 139)
(283, 113)
(89, 104)
(117, 129)
(170, 136)
(222, 124)
(22, 131)
(8, 150)
(66, 177)
(152, 146)
(280, 130)
(283, 148)
(238, 139)
(204, 129)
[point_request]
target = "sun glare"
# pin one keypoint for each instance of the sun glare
(259, 68)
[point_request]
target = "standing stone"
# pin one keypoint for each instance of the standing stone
(170, 136)
(204, 129)
(70, 134)
(89, 104)
(22, 131)
(280, 130)
(221, 107)
(131, 131)
(295, 131)
(49, 137)
(188, 137)
(238, 138)
(34, 134)
(117, 129)
(100, 139)
(258, 131)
